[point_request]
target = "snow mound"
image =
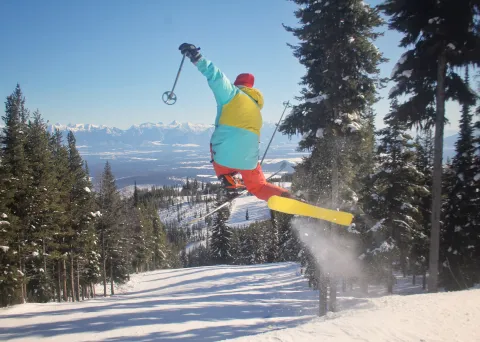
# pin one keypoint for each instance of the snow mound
(426, 317)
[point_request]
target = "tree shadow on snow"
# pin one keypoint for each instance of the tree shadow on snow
(223, 306)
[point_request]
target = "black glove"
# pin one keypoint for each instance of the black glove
(191, 51)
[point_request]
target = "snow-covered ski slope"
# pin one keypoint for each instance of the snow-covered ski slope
(422, 317)
(269, 302)
(257, 211)
(186, 210)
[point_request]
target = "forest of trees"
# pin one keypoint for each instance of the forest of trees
(59, 233)
(416, 213)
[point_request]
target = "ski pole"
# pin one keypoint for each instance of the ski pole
(287, 105)
(169, 97)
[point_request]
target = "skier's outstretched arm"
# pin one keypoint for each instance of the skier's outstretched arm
(221, 86)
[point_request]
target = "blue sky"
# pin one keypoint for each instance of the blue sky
(108, 62)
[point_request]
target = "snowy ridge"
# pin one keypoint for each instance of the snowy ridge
(80, 127)
(268, 302)
(75, 128)
(185, 126)
(147, 135)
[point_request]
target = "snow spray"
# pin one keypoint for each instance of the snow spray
(334, 249)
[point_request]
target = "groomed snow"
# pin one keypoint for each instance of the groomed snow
(192, 304)
(427, 317)
(269, 302)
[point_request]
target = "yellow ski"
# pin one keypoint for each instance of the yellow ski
(295, 207)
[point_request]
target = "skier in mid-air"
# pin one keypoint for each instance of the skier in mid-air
(234, 145)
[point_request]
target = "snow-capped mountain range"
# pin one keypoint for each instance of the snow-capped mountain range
(147, 135)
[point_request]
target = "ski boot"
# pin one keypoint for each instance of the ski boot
(232, 185)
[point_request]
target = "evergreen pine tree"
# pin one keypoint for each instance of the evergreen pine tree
(220, 246)
(9, 283)
(62, 196)
(460, 233)
(111, 233)
(288, 245)
(42, 209)
(476, 179)
(420, 245)
(160, 247)
(135, 195)
(17, 183)
(396, 190)
(336, 47)
(271, 241)
(441, 35)
(81, 206)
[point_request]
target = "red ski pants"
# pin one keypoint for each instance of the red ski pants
(254, 180)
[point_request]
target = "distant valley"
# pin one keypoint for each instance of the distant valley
(158, 153)
(166, 154)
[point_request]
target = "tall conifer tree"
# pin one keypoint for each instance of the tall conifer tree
(13, 147)
(336, 46)
(220, 245)
(441, 35)
(460, 233)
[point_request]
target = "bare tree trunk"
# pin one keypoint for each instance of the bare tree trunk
(78, 281)
(64, 276)
(414, 278)
(424, 280)
(44, 257)
(390, 280)
(104, 262)
(59, 280)
(364, 285)
(332, 281)
(23, 283)
(322, 287)
(344, 284)
(112, 292)
(437, 175)
(333, 294)
(72, 276)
